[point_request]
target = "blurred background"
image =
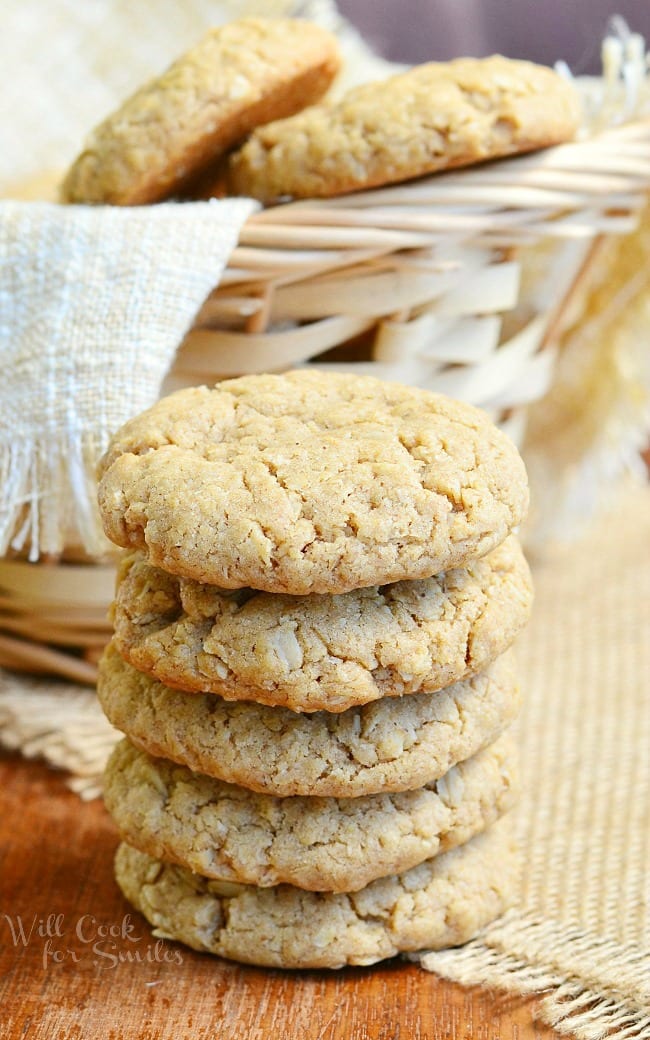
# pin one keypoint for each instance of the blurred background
(540, 30)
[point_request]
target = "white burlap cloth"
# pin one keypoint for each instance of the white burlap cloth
(94, 302)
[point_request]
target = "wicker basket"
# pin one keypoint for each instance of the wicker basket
(417, 283)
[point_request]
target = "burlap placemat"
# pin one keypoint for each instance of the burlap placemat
(582, 929)
(60, 722)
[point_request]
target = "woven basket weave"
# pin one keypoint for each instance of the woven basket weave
(417, 283)
(408, 282)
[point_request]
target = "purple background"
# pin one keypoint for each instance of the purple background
(541, 30)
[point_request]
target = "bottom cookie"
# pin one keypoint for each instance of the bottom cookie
(443, 902)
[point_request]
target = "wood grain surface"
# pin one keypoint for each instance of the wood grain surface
(76, 962)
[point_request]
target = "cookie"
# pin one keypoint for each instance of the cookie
(433, 117)
(442, 902)
(239, 76)
(310, 482)
(389, 745)
(312, 653)
(226, 832)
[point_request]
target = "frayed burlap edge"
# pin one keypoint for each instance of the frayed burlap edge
(60, 723)
(571, 968)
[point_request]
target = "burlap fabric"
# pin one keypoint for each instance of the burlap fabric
(95, 301)
(59, 722)
(582, 929)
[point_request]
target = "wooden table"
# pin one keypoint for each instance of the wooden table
(67, 977)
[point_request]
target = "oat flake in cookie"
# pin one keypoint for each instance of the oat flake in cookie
(310, 482)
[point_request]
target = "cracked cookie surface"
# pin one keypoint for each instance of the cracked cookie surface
(393, 744)
(312, 653)
(432, 117)
(226, 832)
(239, 76)
(442, 902)
(310, 482)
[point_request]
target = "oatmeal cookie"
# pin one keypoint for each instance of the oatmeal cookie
(393, 744)
(312, 653)
(430, 118)
(442, 902)
(310, 482)
(239, 76)
(226, 832)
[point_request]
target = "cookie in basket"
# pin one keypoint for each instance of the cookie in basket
(432, 117)
(310, 482)
(442, 902)
(312, 653)
(393, 744)
(226, 832)
(239, 76)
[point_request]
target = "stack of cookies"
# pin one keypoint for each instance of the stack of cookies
(311, 665)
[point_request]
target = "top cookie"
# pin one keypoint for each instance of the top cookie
(432, 117)
(310, 482)
(239, 76)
